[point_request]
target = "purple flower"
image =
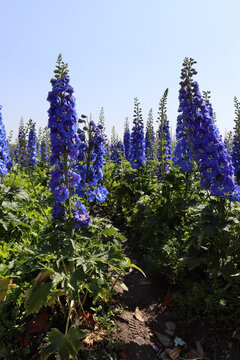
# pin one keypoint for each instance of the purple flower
(100, 194)
(61, 193)
(200, 140)
(61, 85)
(80, 215)
(137, 145)
(32, 146)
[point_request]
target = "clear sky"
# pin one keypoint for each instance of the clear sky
(117, 50)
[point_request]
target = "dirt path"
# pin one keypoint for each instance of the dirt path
(143, 323)
(148, 330)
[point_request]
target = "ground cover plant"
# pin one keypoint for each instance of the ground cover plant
(68, 195)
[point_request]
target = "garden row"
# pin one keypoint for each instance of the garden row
(61, 193)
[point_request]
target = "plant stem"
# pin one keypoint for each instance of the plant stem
(69, 314)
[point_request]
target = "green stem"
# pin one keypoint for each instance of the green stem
(65, 168)
(69, 314)
(71, 230)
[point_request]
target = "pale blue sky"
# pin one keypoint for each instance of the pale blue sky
(117, 50)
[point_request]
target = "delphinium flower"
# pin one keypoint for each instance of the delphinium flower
(183, 153)
(21, 149)
(64, 146)
(114, 136)
(228, 141)
(126, 139)
(149, 137)
(137, 145)
(44, 151)
(164, 149)
(236, 140)
(91, 160)
(101, 122)
(107, 151)
(209, 151)
(5, 160)
(32, 145)
(38, 149)
(117, 151)
(163, 137)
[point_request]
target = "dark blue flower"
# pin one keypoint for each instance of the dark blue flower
(200, 140)
(5, 159)
(80, 215)
(137, 146)
(117, 151)
(44, 151)
(61, 193)
(32, 146)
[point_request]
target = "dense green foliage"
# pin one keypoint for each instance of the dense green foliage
(189, 238)
(34, 270)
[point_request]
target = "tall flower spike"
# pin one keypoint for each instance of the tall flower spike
(117, 152)
(149, 137)
(137, 147)
(32, 145)
(5, 160)
(236, 140)
(126, 139)
(183, 153)
(228, 141)
(64, 144)
(21, 150)
(102, 123)
(91, 161)
(44, 151)
(164, 139)
(209, 151)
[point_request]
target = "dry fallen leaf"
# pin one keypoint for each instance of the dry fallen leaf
(192, 355)
(87, 320)
(138, 315)
(167, 302)
(173, 353)
(42, 276)
(38, 325)
(94, 336)
(122, 355)
(5, 285)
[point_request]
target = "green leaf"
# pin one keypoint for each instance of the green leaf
(124, 286)
(129, 264)
(109, 232)
(38, 297)
(78, 275)
(65, 345)
(4, 224)
(75, 335)
(191, 261)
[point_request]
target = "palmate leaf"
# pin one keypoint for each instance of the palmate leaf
(65, 345)
(38, 297)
